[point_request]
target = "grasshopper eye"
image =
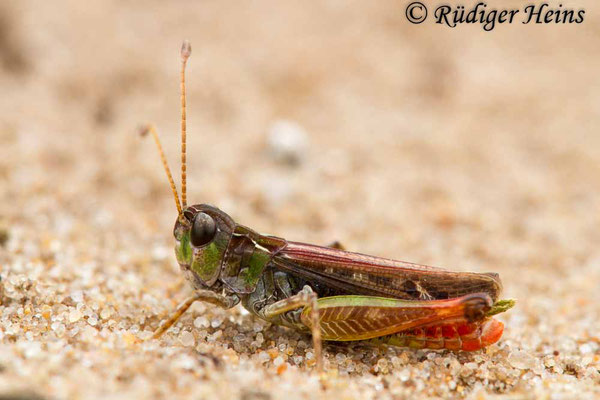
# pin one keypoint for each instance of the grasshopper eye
(203, 229)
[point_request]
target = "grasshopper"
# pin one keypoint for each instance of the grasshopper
(335, 295)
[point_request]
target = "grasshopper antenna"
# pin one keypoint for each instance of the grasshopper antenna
(186, 50)
(150, 129)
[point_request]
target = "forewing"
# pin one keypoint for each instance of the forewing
(355, 273)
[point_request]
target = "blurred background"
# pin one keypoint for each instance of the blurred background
(313, 121)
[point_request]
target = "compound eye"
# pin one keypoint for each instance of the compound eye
(203, 230)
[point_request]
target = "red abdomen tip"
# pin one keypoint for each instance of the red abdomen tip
(491, 332)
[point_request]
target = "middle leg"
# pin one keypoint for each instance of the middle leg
(306, 299)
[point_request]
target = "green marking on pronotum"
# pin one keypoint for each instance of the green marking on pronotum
(501, 306)
(257, 263)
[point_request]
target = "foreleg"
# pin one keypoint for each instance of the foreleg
(199, 295)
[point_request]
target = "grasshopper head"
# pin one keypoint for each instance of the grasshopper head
(202, 236)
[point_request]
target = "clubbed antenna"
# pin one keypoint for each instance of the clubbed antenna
(144, 131)
(186, 50)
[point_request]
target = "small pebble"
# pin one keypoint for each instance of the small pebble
(201, 322)
(46, 311)
(58, 328)
(521, 360)
(263, 357)
(287, 141)
(281, 368)
(77, 296)
(74, 315)
(187, 338)
(105, 313)
(215, 323)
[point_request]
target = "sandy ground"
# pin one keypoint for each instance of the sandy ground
(452, 147)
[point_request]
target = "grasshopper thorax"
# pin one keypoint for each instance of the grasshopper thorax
(202, 233)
